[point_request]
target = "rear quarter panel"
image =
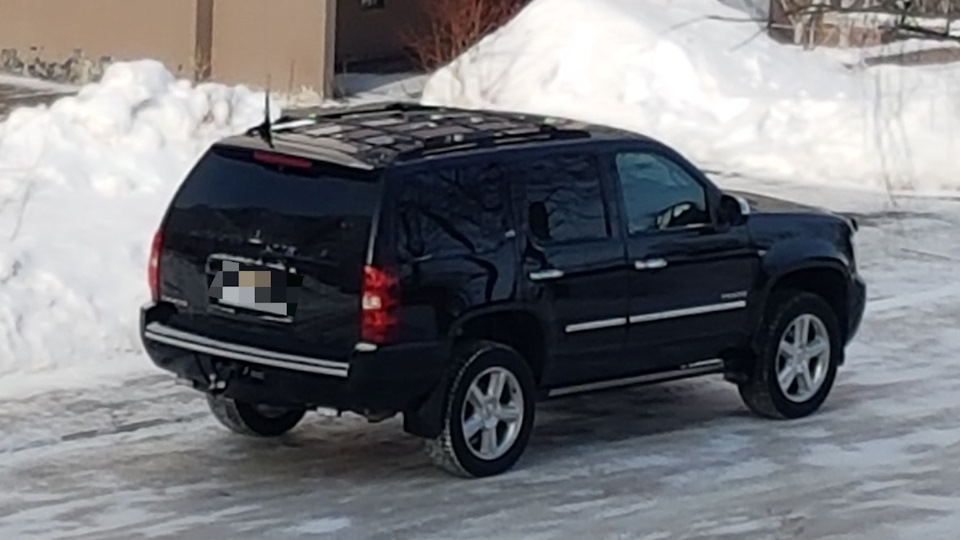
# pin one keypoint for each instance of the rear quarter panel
(439, 287)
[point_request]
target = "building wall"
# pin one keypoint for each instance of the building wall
(289, 41)
(66, 39)
(293, 43)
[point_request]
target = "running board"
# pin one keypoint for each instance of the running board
(705, 367)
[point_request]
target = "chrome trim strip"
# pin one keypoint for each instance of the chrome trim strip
(185, 340)
(595, 325)
(687, 312)
(705, 367)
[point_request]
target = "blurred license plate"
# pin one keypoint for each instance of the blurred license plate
(249, 285)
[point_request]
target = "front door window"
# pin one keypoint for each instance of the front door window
(658, 194)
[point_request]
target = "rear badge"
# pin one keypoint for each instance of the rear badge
(734, 295)
(255, 288)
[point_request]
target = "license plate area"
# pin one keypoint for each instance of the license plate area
(243, 286)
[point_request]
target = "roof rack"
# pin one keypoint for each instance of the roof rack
(486, 139)
(364, 108)
(387, 131)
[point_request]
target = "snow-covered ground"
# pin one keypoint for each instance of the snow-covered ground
(683, 460)
(723, 92)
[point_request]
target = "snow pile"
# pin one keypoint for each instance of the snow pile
(83, 185)
(722, 92)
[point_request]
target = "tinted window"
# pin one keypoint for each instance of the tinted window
(452, 211)
(227, 180)
(325, 211)
(659, 194)
(564, 198)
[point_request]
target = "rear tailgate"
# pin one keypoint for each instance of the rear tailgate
(269, 254)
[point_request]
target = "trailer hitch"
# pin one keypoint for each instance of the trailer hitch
(219, 377)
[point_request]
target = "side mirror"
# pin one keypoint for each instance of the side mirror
(733, 210)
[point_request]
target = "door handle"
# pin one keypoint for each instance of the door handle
(650, 264)
(543, 275)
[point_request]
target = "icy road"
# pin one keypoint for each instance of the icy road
(683, 460)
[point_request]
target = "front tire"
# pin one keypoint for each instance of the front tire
(252, 419)
(800, 347)
(489, 411)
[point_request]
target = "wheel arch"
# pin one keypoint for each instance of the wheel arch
(512, 325)
(827, 277)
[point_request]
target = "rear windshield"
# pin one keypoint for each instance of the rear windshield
(324, 210)
(233, 180)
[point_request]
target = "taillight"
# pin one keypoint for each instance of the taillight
(378, 305)
(153, 266)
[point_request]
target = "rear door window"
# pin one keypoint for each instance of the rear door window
(564, 198)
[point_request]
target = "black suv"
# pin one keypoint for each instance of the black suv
(458, 266)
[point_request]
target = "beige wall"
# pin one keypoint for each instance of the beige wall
(374, 33)
(293, 42)
(286, 40)
(123, 29)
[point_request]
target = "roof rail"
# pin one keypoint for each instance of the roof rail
(309, 115)
(375, 107)
(384, 131)
(459, 141)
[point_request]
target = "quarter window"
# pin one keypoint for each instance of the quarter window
(659, 194)
(452, 211)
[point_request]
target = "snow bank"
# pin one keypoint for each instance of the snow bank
(721, 91)
(83, 184)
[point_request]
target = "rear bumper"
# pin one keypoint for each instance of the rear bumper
(385, 380)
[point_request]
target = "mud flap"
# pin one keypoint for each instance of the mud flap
(427, 420)
(738, 364)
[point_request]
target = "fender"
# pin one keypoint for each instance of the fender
(790, 256)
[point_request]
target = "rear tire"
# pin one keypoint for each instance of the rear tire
(488, 411)
(252, 419)
(799, 349)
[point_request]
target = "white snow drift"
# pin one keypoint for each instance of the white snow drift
(722, 92)
(83, 184)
